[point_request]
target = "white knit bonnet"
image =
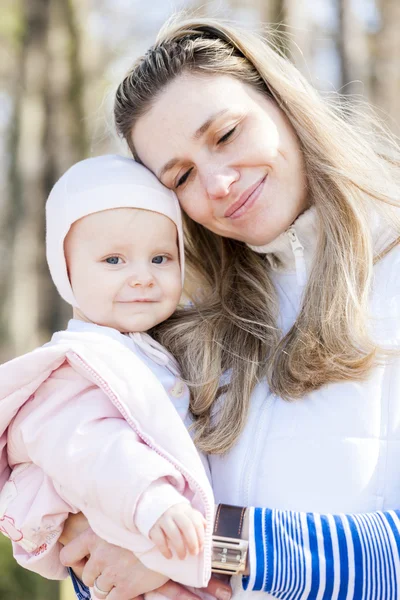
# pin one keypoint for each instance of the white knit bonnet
(97, 184)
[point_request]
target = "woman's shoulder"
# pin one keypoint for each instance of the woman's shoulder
(385, 297)
(387, 264)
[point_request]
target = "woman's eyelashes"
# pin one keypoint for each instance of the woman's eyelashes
(226, 135)
(183, 179)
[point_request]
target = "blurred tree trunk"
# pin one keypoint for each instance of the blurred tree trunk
(66, 137)
(353, 51)
(299, 30)
(12, 48)
(386, 63)
(27, 176)
(48, 135)
(272, 13)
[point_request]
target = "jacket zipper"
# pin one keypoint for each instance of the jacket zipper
(298, 251)
(114, 399)
(247, 472)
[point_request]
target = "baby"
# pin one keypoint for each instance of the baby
(93, 420)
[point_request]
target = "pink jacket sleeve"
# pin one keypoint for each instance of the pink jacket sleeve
(95, 461)
(33, 518)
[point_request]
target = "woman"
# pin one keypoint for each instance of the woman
(293, 244)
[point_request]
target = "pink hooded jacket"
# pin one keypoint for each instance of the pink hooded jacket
(86, 426)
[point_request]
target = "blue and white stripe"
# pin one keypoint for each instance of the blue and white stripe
(82, 592)
(307, 556)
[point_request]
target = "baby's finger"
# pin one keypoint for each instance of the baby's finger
(189, 533)
(200, 524)
(158, 538)
(174, 538)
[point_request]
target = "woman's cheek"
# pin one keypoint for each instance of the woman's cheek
(189, 206)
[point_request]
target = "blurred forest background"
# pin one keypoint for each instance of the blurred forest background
(60, 63)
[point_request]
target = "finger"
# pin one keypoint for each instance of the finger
(200, 524)
(77, 549)
(175, 591)
(104, 583)
(189, 533)
(174, 538)
(78, 568)
(118, 594)
(158, 538)
(219, 588)
(90, 572)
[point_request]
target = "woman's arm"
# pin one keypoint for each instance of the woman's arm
(299, 555)
(122, 571)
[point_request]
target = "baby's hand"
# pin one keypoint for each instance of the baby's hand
(180, 528)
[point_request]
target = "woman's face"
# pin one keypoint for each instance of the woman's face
(228, 152)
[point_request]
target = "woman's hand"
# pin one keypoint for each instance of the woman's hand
(119, 571)
(73, 526)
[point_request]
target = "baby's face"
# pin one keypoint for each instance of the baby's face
(124, 268)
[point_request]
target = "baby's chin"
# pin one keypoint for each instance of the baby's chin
(131, 322)
(138, 324)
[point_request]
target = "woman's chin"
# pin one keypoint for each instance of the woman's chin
(264, 237)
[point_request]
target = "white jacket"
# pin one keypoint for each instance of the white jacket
(337, 450)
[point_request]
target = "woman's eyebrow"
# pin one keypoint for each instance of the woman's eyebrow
(196, 136)
(203, 128)
(167, 167)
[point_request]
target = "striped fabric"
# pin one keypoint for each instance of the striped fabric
(299, 556)
(82, 592)
(307, 556)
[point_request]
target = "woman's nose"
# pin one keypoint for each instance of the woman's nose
(218, 183)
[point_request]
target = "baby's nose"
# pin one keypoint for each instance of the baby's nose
(141, 280)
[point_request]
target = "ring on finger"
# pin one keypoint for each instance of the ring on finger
(101, 594)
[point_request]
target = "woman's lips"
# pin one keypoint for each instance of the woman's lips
(246, 200)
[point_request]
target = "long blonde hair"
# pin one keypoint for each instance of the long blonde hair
(228, 340)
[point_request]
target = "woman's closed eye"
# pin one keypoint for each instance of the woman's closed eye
(184, 178)
(226, 135)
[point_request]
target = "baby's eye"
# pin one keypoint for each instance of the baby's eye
(159, 260)
(113, 260)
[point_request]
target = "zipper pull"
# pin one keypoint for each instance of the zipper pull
(298, 252)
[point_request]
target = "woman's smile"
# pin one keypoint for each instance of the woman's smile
(246, 200)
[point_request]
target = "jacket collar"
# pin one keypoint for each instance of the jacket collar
(150, 347)
(294, 249)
